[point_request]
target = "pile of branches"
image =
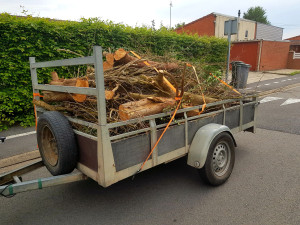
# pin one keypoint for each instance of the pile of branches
(134, 87)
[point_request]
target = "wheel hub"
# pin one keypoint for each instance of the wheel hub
(221, 158)
(49, 146)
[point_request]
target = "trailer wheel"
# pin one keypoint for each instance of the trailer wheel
(220, 160)
(57, 143)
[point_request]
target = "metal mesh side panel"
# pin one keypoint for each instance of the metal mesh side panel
(232, 119)
(248, 114)
(173, 139)
(131, 151)
(194, 126)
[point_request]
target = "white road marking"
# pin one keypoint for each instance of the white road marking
(267, 84)
(258, 86)
(290, 101)
(20, 135)
(289, 79)
(269, 99)
(249, 88)
(276, 82)
(283, 80)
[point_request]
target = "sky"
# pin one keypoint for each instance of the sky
(280, 13)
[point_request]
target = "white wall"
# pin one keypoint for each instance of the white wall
(244, 25)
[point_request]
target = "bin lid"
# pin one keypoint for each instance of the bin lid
(237, 62)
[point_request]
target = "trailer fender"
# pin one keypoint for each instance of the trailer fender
(202, 141)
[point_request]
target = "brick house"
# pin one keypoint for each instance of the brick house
(294, 54)
(257, 44)
(213, 25)
(295, 43)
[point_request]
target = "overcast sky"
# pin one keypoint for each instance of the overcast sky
(280, 13)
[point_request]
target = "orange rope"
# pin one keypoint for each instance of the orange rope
(176, 98)
(223, 82)
(203, 106)
(160, 136)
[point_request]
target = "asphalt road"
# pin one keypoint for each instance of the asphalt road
(263, 188)
(267, 85)
(281, 111)
(17, 145)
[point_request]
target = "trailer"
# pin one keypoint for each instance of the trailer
(206, 140)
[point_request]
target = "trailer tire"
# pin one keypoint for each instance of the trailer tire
(220, 160)
(57, 143)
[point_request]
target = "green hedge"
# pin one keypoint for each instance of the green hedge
(22, 37)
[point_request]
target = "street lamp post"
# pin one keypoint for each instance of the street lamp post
(171, 5)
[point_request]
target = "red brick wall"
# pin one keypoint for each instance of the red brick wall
(246, 52)
(202, 26)
(274, 55)
(293, 63)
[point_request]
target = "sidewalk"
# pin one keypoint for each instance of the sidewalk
(266, 82)
(254, 77)
(283, 71)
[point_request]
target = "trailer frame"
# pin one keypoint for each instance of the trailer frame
(106, 173)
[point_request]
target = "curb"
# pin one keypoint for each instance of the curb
(284, 74)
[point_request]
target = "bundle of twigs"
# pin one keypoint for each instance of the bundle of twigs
(134, 87)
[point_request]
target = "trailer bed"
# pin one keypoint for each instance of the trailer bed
(131, 149)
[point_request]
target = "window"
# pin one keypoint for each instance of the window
(246, 34)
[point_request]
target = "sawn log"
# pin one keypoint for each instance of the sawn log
(144, 107)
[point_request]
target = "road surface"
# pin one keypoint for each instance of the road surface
(268, 85)
(263, 188)
(281, 111)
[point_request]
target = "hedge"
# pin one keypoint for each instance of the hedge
(22, 37)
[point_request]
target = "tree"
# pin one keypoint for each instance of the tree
(257, 14)
(178, 25)
(153, 24)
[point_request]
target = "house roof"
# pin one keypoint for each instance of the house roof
(195, 20)
(258, 40)
(294, 38)
(295, 42)
(233, 17)
(220, 14)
